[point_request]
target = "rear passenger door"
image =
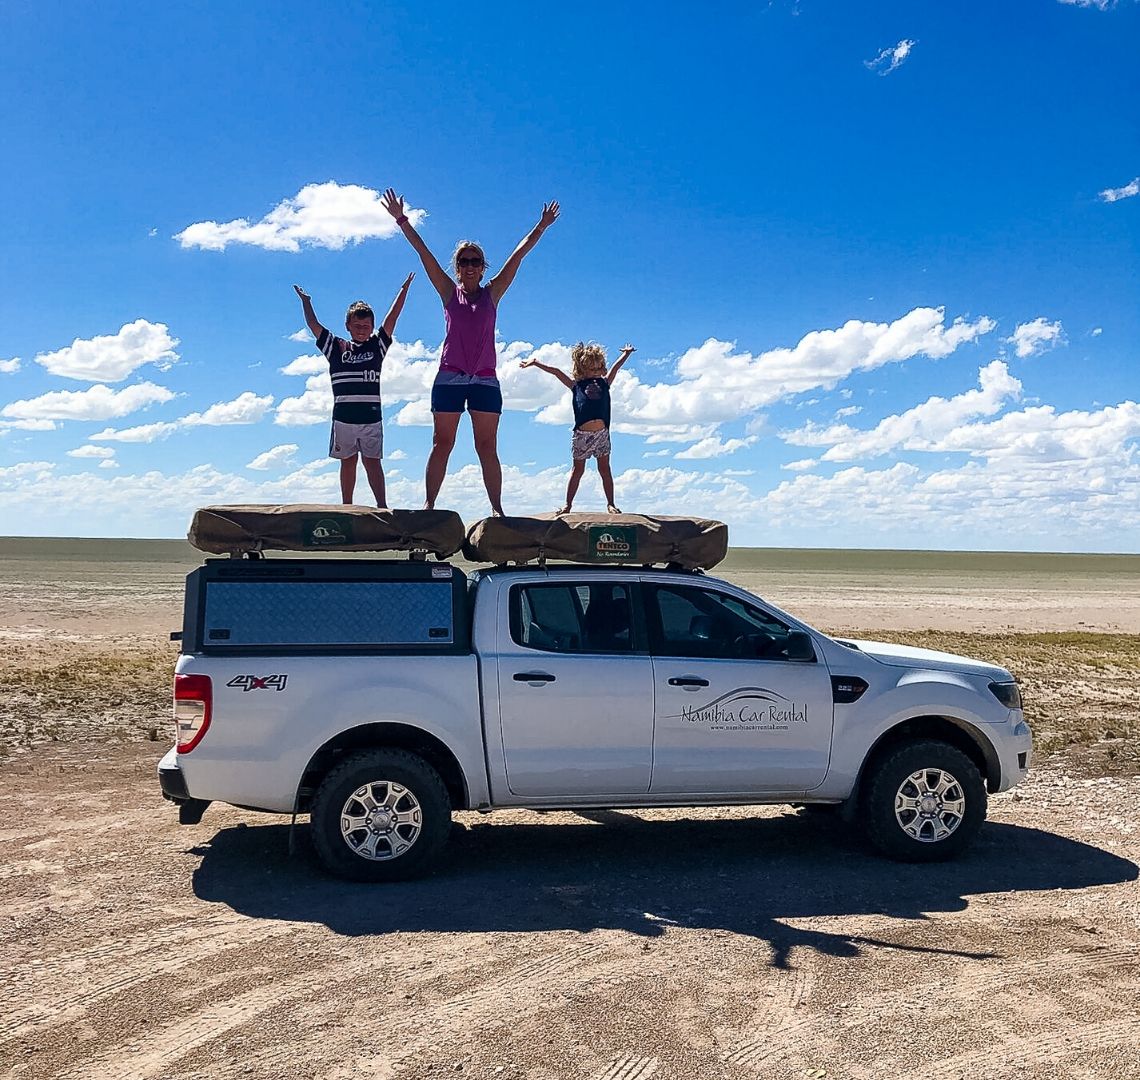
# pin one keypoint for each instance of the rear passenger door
(575, 690)
(733, 713)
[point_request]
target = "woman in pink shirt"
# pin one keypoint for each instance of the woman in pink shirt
(466, 376)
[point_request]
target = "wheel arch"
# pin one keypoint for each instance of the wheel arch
(380, 735)
(948, 729)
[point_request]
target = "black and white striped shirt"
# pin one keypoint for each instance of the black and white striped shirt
(354, 368)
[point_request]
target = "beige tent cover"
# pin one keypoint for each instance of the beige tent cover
(636, 538)
(312, 527)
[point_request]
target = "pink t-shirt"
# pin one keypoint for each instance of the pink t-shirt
(469, 344)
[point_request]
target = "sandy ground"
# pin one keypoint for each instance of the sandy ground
(737, 943)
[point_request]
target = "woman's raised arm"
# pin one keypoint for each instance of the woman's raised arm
(501, 282)
(394, 204)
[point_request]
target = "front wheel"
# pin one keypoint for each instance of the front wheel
(380, 815)
(924, 802)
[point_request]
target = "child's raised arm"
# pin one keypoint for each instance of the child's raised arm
(393, 315)
(626, 350)
(307, 308)
(394, 204)
(561, 376)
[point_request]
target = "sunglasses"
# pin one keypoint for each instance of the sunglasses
(469, 262)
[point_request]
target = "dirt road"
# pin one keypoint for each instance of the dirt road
(670, 944)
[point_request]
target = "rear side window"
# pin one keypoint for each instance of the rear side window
(591, 617)
(328, 613)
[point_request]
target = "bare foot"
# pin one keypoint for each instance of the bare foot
(613, 509)
(562, 510)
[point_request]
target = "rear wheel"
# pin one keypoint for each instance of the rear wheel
(923, 802)
(380, 815)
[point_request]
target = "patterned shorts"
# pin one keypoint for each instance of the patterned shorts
(590, 444)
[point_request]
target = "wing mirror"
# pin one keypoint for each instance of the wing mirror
(799, 646)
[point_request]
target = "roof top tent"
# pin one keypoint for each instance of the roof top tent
(684, 542)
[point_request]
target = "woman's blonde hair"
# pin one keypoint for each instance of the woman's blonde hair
(583, 355)
(464, 245)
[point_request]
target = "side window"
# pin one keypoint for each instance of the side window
(703, 624)
(569, 618)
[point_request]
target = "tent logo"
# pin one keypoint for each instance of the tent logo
(327, 531)
(613, 542)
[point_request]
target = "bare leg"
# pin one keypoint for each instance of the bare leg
(375, 476)
(443, 440)
(607, 483)
(486, 428)
(576, 471)
(347, 478)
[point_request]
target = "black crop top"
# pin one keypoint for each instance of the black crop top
(591, 401)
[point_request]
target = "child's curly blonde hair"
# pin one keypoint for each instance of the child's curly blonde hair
(585, 356)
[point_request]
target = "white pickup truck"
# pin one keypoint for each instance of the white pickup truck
(379, 696)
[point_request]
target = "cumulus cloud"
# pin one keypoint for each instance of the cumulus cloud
(1126, 192)
(108, 463)
(1097, 331)
(328, 215)
(1100, 5)
(925, 427)
(112, 357)
(891, 58)
(301, 335)
(274, 458)
(848, 410)
(246, 408)
(1031, 338)
(307, 365)
(27, 425)
(10, 367)
(91, 452)
(144, 433)
(800, 466)
(95, 403)
(714, 447)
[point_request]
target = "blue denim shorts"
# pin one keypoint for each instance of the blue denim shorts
(453, 395)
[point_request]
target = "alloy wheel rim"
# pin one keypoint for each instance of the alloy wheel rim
(381, 820)
(930, 805)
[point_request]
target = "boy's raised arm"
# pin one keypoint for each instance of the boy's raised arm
(626, 350)
(394, 204)
(501, 282)
(393, 315)
(561, 376)
(307, 308)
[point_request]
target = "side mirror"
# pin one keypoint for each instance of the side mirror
(799, 646)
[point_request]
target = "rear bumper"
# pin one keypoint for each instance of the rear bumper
(172, 781)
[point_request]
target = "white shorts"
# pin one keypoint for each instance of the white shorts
(590, 444)
(349, 439)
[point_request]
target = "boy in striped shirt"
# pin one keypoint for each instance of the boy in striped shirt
(354, 368)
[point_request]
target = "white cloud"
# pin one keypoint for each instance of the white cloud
(1100, 5)
(144, 433)
(1035, 337)
(800, 466)
(925, 427)
(848, 410)
(304, 334)
(91, 452)
(306, 365)
(399, 455)
(1097, 331)
(246, 408)
(10, 367)
(658, 453)
(95, 403)
(27, 425)
(108, 463)
(112, 357)
(714, 447)
(1126, 192)
(891, 58)
(328, 215)
(274, 458)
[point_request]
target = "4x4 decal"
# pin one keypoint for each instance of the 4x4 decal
(259, 682)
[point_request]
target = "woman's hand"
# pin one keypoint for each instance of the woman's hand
(627, 349)
(528, 363)
(408, 280)
(301, 293)
(393, 203)
(550, 213)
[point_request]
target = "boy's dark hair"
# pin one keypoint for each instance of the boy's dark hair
(359, 308)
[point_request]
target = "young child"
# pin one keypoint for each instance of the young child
(354, 366)
(591, 389)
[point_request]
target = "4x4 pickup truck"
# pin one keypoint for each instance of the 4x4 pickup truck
(380, 696)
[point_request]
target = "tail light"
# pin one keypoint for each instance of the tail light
(193, 697)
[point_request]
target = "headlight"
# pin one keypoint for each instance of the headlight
(1007, 693)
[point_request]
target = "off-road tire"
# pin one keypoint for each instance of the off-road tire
(382, 773)
(889, 790)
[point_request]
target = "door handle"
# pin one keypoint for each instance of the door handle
(533, 676)
(689, 682)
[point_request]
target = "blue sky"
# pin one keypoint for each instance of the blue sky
(880, 261)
